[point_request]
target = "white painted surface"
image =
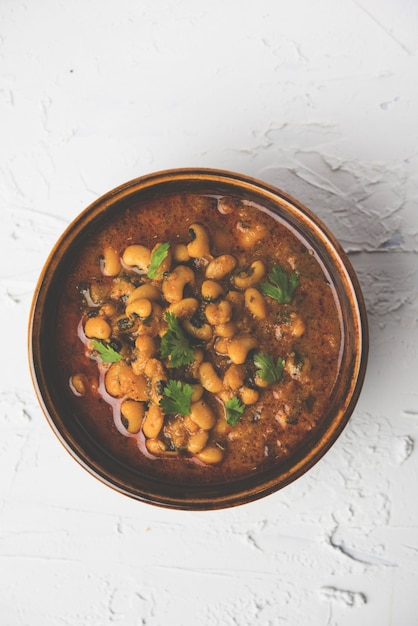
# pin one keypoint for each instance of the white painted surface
(319, 98)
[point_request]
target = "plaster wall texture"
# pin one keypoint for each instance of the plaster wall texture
(319, 98)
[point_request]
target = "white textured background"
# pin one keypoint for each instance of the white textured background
(319, 97)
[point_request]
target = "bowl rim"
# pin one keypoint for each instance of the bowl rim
(244, 184)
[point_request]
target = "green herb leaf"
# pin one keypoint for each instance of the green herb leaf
(283, 286)
(234, 410)
(176, 398)
(106, 353)
(268, 370)
(175, 344)
(157, 258)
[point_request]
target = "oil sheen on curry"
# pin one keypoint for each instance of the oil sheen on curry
(200, 338)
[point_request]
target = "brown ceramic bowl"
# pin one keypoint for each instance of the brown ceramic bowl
(62, 413)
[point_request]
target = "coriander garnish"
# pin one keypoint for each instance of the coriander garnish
(176, 398)
(157, 257)
(234, 410)
(105, 352)
(281, 285)
(268, 370)
(175, 344)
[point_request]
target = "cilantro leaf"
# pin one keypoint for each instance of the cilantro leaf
(175, 344)
(176, 398)
(157, 257)
(234, 410)
(105, 352)
(283, 286)
(268, 370)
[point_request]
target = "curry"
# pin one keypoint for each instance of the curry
(200, 337)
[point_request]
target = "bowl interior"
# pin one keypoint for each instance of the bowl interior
(45, 321)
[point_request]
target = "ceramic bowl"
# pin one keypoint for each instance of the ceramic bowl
(62, 414)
